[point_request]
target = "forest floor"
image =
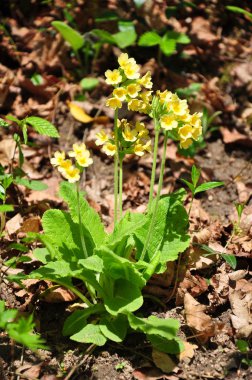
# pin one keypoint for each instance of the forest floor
(219, 58)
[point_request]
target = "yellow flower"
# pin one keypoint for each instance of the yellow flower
(72, 174)
(109, 149)
(124, 60)
(178, 106)
(146, 96)
(84, 160)
(184, 144)
(185, 132)
(146, 80)
(197, 132)
(102, 137)
(142, 131)
(133, 90)
(195, 119)
(58, 158)
(139, 150)
(168, 122)
(164, 96)
(142, 146)
(77, 149)
(120, 93)
(129, 134)
(66, 164)
(131, 70)
(114, 103)
(113, 77)
(135, 105)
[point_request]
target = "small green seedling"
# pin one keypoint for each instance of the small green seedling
(195, 188)
(20, 329)
(230, 259)
(120, 366)
(243, 347)
(239, 10)
(239, 208)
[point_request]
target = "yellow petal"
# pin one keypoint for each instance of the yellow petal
(79, 114)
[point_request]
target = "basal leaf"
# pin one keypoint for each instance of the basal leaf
(42, 126)
(166, 328)
(42, 254)
(73, 37)
(64, 234)
(170, 346)
(169, 235)
(92, 225)
(93, 263)
(114, 329)
(90, 334)
(78, 319)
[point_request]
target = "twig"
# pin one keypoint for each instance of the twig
(89, 350)
(22, 360)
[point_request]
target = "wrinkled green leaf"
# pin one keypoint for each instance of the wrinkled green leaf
(170, 346)
(90, 334)
(114, 329)
(78, 319)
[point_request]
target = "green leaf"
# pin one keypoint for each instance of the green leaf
(31, 184)
(207, 186)
(189, 184)
(121, 283)
(42, 254)
(125, 39)
(166, 328)
(93, 228)
(90, 334)
(56, 271)
(6, 316)
(230, 259)
(13, 118)
(128, 225)
(64, 235)
(22, 332)
(42, 126)
(19, 247)
(73, 37)
(239, 208)
(6, 208)
(37, 79)
(191, 90)
(195, 175)
(3, 123)
(242, 345)
(239, 10)
(104, 36)
(169, 234)
(168, 45)
(93, 263)
(139, 3)
(114, 329)
(78, 319)
(149, 39)
(89, 84)
(170, 346)
(180, 38)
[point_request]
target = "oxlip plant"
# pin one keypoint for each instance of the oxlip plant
(108, 271)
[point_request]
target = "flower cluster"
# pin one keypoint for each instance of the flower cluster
(67, 168)
(133, 139)
(129, 86)
(176, 117)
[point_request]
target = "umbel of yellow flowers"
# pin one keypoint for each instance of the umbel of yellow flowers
(134, 139)
(69, 170)
(136, 91)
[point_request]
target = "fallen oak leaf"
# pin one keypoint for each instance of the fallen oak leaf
(188, 352)
(197, 319)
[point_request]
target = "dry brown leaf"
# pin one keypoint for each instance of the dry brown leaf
(197, 319)
(13, 225)
(201, 29)
(32, 224)
(30, 372)
(240, 298)
(151, 373)
(58, 295)
(194, 284)
(78, 113)
(188, 352)
(233, 136)
(163, 361)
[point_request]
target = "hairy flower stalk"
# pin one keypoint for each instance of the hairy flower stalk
(116, 162)
(154, 163)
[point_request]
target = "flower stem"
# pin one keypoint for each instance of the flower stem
(154, 165)
(160, 184)
(83, 244)
(116, 159)
(120, 186)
